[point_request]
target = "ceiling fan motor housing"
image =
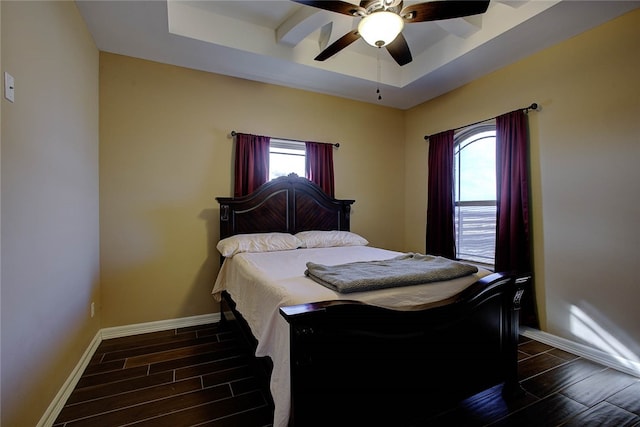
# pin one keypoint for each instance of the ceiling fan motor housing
(387, 32)
(390, 5)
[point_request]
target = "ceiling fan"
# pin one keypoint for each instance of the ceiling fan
(382, 21)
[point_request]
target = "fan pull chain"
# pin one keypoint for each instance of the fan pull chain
(379, 74)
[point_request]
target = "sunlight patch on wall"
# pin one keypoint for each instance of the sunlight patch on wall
(587, 329)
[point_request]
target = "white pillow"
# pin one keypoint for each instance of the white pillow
(327, 239)
(257, 242)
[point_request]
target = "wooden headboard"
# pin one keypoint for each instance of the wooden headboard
(288, 204)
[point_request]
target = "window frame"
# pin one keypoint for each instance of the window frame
(459, 138)
(287, 144)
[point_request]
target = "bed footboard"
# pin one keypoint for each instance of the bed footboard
(361, 364)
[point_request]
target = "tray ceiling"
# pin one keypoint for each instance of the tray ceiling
(275, 42)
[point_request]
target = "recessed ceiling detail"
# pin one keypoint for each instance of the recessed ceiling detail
(276, 42)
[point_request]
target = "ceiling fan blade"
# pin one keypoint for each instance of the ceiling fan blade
(444, 9)
(335, 6)
(399, 50)
(338, 45)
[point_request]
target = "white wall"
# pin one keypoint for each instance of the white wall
(49, 210)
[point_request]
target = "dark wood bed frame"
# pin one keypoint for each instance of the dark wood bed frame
(356, 364)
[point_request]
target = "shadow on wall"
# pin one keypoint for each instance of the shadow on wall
(206, 276)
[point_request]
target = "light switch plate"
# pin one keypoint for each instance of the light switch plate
(9, 87)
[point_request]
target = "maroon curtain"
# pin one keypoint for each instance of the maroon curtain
(513, 248)
(512, 180)
(251, 163)
(440, 232)
(319, 165)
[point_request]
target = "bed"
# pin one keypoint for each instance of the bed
(391, 356)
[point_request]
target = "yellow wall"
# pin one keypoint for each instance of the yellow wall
(585, 179)
(1, 105)
(50, 223)
(166, 153)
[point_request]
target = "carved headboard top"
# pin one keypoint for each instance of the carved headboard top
(288, 204)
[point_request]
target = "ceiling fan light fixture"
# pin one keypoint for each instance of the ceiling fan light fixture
(380, 28)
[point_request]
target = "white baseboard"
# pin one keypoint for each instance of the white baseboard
(59, 401)
(160, 325)
(56, 406)
(621, 364)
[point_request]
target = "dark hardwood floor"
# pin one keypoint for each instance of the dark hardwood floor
(205, 376)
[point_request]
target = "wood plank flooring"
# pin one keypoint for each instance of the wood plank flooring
(205, 376)
(201, 376)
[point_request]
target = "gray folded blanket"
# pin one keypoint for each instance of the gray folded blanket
(404, 270)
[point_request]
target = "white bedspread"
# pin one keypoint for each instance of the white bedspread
(261, 283)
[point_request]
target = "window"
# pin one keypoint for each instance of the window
(475, 193)
(286, 157)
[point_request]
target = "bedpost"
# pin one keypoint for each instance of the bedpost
(512, 386)
(225, 224)
(347, 215)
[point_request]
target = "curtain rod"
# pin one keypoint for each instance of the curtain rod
(337, 144)
(533, 106)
